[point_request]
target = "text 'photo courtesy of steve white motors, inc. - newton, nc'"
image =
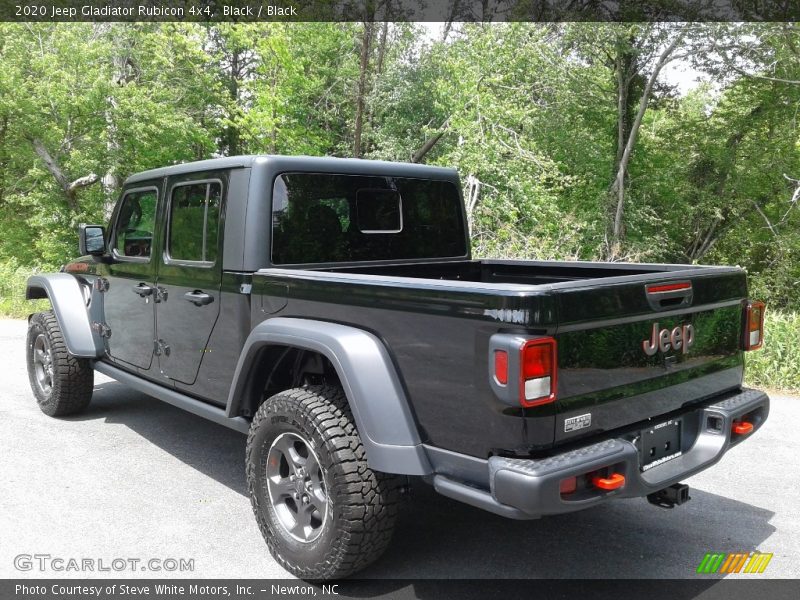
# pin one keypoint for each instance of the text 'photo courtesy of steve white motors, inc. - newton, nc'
(172, 590)
(153, 11)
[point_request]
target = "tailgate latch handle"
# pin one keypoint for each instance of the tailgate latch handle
(669, 295)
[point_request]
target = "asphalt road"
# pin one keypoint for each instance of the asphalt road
(136, 478)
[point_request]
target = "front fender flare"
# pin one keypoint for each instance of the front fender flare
(69, 306)
(376, 397)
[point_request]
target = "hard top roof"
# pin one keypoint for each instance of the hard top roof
(300, 163)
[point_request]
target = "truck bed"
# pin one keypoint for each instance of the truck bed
(513, 271)
(436, 319)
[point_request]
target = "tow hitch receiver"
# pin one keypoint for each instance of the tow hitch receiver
(677, 493)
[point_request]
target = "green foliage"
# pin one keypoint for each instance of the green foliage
(529, 113)
(300, 95)
(777, 363)
(12, 291)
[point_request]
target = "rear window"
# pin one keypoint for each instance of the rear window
(326, 218)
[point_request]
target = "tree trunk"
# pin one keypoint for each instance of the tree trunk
(623, 74)
(111, 181)
(69, 189)
(618, 186)
(361, 93)
(231, 138)
(704, 240)
(472, 197)
(124, 70)
(379, 67)
(430, 143)
(273, 142)
(448, 25)
(382, 47)
(3, 157)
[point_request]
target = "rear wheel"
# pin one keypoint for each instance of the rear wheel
(62, 383)
(323, 512)
(296, 487)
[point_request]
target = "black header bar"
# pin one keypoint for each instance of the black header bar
(254, 11)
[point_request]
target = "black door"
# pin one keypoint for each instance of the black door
(189, 274)
(130, 299)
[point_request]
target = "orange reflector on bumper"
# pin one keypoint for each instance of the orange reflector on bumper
(742, 428)
(568, 485)
(612, 482)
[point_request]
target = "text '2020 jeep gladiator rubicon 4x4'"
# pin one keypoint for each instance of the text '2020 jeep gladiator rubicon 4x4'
(330, 309)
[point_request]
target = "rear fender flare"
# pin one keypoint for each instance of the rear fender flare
(69, 306)
(376, 397)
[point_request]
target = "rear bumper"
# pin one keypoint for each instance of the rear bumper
(525, 488)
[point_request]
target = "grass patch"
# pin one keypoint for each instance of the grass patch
(13, 304)
(777, 364)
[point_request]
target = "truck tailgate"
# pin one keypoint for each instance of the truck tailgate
(633, 348)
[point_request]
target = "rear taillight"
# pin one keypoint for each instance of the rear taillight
(754, 325)
(501, 366)
(522, 369)
(538, 372)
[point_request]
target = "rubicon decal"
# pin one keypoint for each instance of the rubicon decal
(679, 338)
(736, 562)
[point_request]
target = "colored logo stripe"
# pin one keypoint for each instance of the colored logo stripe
(758, 563)
(710, 563)
(717, 562)
(740, 563)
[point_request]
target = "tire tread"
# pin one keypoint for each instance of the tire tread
(368, 500)
(73, 378)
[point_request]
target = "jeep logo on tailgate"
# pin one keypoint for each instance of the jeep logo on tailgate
(665, 340)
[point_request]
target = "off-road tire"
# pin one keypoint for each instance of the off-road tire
(362, 503)
(72, 379)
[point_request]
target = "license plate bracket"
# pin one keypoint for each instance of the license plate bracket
(660, 444)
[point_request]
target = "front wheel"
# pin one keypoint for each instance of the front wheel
(62, 383)
(322, 511)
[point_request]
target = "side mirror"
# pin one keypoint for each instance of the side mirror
(92, 240)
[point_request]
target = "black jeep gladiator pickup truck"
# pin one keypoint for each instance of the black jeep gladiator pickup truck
(330, 309)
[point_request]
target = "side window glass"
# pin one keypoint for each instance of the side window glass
(194, 222)
(212, 221)
(134, 232)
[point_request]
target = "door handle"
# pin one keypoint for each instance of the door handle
(198, 298)
(143, 290)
